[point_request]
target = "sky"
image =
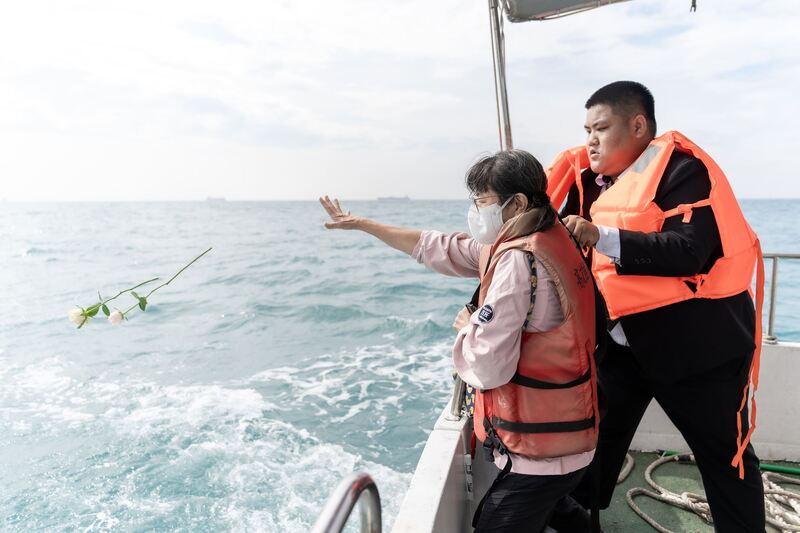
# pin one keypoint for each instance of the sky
(105, 100)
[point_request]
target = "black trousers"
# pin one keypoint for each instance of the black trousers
(703, 408)
(521, 503)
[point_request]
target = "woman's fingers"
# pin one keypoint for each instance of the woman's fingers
(323, 200)
(331, 207)
(333, 210)
(339, 219)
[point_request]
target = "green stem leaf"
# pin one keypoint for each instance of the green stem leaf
(178, 273)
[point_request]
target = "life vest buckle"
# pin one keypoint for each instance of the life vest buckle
(488, 450)
(492, 442)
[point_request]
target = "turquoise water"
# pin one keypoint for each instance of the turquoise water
(285, 359)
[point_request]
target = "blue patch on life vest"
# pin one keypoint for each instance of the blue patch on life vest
(486, 314)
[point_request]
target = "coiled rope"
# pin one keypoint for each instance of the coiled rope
(782, 506)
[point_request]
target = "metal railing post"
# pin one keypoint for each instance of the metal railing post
(770, 336)
(773, 290)
(457, 401)
(340, 505)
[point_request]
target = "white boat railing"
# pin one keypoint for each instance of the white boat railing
(357, 488)
(773, 292)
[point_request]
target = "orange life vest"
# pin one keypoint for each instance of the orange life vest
(549, 408)
(629, 205)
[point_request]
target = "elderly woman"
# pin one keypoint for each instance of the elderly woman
(528, 346)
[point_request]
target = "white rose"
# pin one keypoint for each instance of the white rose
(76, 316)
(115, 317)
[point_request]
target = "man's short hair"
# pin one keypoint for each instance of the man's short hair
(627, 98)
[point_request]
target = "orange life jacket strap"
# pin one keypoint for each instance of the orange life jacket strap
(686, 210)
(753, 373)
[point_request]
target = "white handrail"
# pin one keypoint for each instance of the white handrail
(340, 505)
(773, 293)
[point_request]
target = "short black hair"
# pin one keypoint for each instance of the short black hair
(627, 98)
(508, 173)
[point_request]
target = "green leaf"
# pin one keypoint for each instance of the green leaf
(92, 311)
(142, 303)
(105, 310)
(135, 295)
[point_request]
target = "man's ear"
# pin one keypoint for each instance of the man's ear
(639, 124)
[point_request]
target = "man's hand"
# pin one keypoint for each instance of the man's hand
(585, 232)
(462, 319)
(339, 219)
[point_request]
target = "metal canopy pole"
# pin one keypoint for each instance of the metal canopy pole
(498, 55)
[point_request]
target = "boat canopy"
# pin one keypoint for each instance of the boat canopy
(525, 10)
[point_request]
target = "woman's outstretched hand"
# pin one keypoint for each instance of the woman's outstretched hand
(339, 219)
(403, 239)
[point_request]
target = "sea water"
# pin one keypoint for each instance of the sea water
(285, 359)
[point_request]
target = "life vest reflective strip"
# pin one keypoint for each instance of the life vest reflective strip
(755, 369)
(549, 408)
(629, 205)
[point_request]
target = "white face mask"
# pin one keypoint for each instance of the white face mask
(485, 222)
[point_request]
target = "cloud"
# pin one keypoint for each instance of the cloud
(332, 81)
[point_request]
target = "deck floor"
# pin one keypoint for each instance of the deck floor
(677, 477)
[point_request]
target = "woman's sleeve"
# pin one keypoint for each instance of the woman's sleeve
(486, 351)
(454, 254)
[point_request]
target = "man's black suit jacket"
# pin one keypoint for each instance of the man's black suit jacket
(686, 338)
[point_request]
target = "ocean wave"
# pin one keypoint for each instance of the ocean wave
(229, 280)
(366, 389)
(198, 457)
(327, 313)
(405, 323)
(273, 279)
(301, 260)
(416, 290)
(345, 287)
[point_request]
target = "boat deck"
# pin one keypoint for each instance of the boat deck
(437, 501)
(677, 477)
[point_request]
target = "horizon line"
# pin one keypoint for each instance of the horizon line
(218, 200)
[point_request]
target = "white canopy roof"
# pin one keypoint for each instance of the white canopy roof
(524, 10)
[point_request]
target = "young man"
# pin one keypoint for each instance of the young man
(681, 331)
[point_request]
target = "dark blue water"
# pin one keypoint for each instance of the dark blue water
(285, 359)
